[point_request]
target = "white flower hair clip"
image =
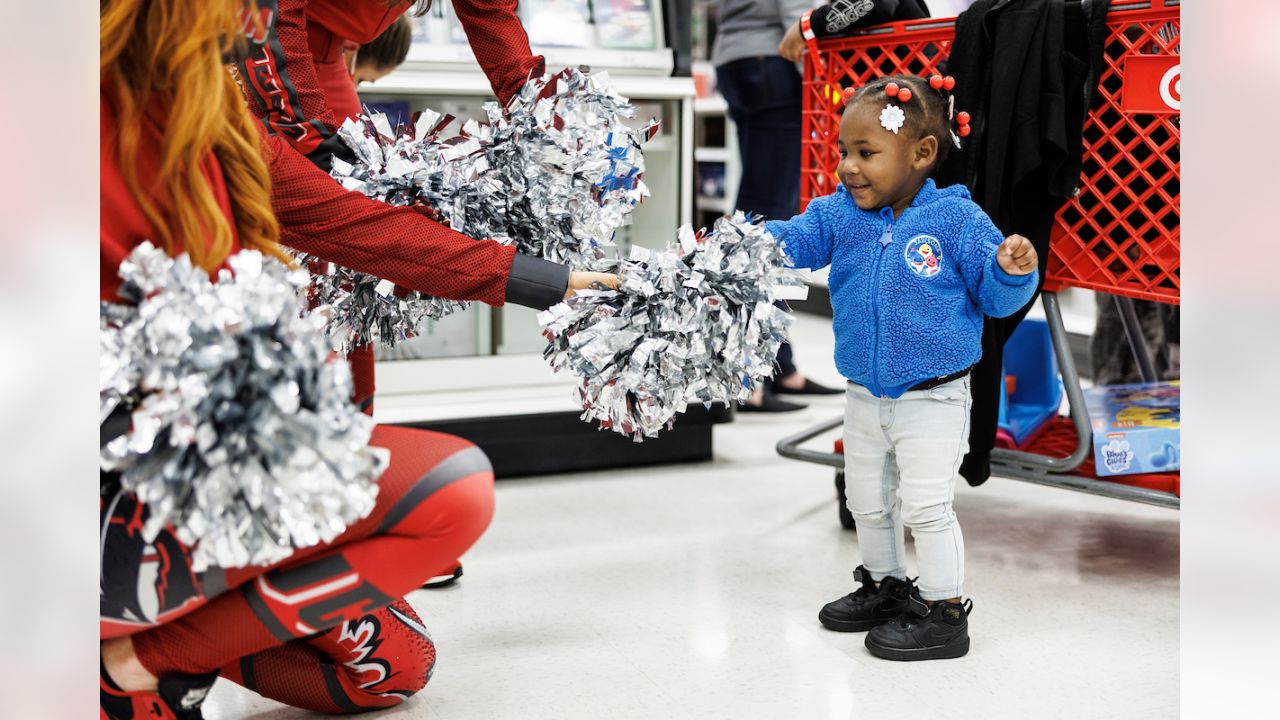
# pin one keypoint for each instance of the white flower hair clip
(891, 118)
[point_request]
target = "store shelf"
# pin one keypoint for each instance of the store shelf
(710, 105)
(439, 388)
(432, 78)
(713, 204)
(716, 155)
(711, 154)
(515, 408)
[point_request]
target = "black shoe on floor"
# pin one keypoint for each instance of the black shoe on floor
(445, 580)
(810, 388)
(770, 403)
(924, 633)
(868, 606)
(179, 697)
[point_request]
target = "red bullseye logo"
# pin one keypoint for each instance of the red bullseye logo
(1171, 87)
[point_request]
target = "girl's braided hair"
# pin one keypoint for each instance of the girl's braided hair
(928, 112)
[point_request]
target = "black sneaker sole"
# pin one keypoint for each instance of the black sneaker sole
(849, 626)
(941, 652)
(442, 581)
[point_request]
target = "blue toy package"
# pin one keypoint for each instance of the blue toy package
(1136, 428)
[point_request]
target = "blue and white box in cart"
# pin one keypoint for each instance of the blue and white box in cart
(1136, 428)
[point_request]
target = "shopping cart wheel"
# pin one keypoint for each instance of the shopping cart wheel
(846, 517)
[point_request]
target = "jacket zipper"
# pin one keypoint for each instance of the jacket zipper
(885, 239)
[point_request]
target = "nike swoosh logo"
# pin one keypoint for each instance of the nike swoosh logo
(409, 622)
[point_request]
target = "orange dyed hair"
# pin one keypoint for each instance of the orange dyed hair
(163, 60)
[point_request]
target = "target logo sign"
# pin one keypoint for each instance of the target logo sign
(1152, 84)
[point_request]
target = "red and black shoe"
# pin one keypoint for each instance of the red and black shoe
(179, 697)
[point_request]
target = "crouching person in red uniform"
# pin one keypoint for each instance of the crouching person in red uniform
(299, 83)
(185, 165)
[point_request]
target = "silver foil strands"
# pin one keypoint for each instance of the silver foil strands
(571, 164)
(554, 173)
(692, 323)
(242, 435)
(365, 309)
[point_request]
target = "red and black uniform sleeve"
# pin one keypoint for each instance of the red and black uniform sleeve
(499, 43)
(280, 79)
(400, 244)
(842, 17)
(280, 75)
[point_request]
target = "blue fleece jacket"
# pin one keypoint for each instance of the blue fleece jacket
(908, 295)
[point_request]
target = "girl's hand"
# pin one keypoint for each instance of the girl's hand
(590, 281)
(792, 44)
(1017, 256)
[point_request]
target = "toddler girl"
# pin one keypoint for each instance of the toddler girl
(913, 269)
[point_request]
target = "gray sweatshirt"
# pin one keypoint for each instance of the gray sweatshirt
(753, 28)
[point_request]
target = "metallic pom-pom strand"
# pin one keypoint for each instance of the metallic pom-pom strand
(242, 437)
(365, 309)
(554, 173)
(692, 323)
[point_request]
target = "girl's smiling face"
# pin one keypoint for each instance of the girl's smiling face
(880, 168)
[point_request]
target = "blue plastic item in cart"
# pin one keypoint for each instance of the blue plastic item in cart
(1029, 357)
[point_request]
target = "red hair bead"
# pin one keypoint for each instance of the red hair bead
(935, 82)
(964, 131)
(905, 94)
(962, 118)
(891, 89)
(948, 83)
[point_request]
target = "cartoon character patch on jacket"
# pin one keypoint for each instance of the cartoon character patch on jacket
(924, 255)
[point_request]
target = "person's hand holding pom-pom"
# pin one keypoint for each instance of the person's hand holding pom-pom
(590, 281)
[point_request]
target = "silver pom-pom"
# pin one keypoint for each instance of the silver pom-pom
(554, 173)
(571, 164)
(242, 436)
(692, 323)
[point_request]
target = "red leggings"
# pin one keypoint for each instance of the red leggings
(435, 500)
(361, 361)
(376, 661)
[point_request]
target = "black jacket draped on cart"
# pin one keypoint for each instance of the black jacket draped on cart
(1027, 71)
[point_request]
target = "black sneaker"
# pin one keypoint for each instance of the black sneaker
(868, 606)
(444, 580)
(923, 632)
(179, 697)
(770, 403)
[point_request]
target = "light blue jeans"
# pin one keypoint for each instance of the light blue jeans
(901, 459)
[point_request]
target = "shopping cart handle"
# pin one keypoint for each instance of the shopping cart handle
(789, 447)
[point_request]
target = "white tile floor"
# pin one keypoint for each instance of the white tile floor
(692, 591)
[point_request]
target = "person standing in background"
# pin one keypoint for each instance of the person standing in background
(763, 91)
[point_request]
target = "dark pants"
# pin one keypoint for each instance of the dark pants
(764, 99)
